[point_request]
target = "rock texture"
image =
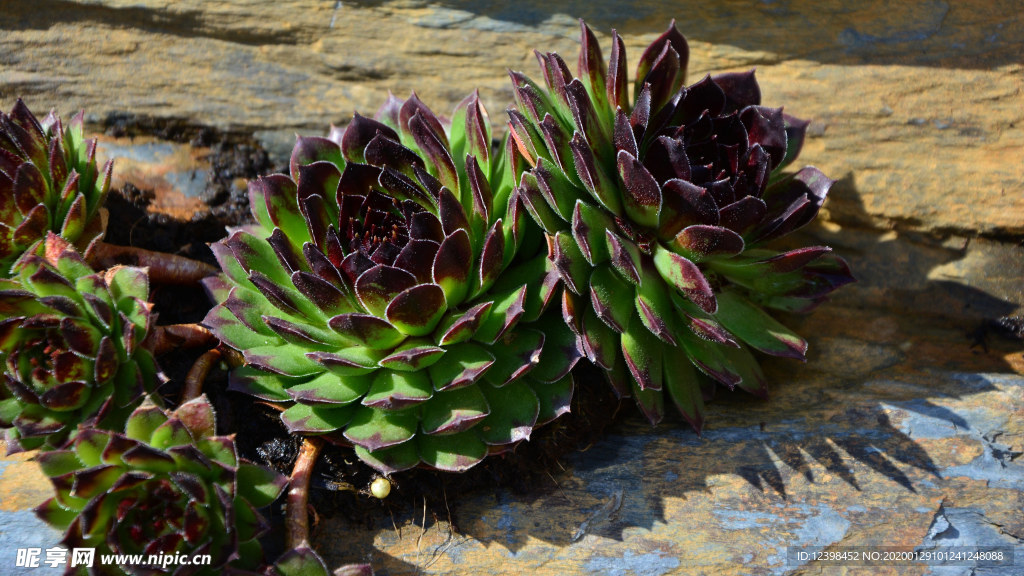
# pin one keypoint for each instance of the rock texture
(917, 106)
(904, 427)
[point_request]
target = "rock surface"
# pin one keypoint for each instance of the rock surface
(897, 432)
(917, 107)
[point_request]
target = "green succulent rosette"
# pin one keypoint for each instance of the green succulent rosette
(71, 346)
(661, 210)
(49, 181)
(166, 485)
(393, 294)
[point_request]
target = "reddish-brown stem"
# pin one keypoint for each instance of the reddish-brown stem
(296, 514)
(197, 374)
(163, 339)
(163, 268)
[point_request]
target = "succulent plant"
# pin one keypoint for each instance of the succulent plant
(661, 210)
(49, 181)
(168, 485)
(385, 291)
(71, 345)
(304, 561)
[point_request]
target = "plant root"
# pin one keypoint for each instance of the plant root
(197, 374)
(163, 268)
(296, 506)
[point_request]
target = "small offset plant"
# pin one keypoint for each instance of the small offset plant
(71, 341)
(49, 181)
(166, 485)
(392, 293)
(661, 209)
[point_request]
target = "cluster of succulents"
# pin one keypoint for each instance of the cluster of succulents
(71, 341)
(167, 484)
(409, 290)
(49, 181)
(76, 344)
(390, 294)
(661, 208)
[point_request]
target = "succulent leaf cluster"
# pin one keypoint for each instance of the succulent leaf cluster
(49, 181)
(71, 346)
(168, 484)
(661, 209)
(392, 293)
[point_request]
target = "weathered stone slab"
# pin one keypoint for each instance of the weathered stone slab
(896, 432)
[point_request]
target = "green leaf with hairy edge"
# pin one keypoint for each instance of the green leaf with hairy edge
(755, 327)
(461, 365)
(128, 282)
(505, 312)
(611, 297)
(683, 385)
(89, 445)
(516, 355)
(588, 229)
(58, 462)
(709, 357)
(284, 211)
(258, 207)
(555, 398)
(654, 306)
(391, 460)
(330, 388)
(301, 561)
(600, 342)
(259, 485)
(253, 305)
(570, 262)
(542, 212)
(219, 449)
(454, 453)
(530, 273)
(9, 410)
(56, 515)
(560, 194)
(454, 411)
(397, 390)
(643, 353)
(229, 265)
(95, 481)
(73, 267)
(289, 360)
(413, 355)
(514, 412)
(246, 522)
(354, 360)
(459, 326)
(259, 254)
(752, 377)
(319, 419)
(265, 385)
(223, 323)
(561, 349)
(171, 433)
(143, 422)
(376, 429)
(41, 287)
(417, 310)
(650, 402)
